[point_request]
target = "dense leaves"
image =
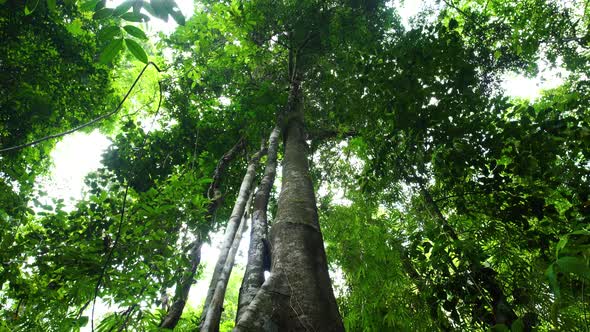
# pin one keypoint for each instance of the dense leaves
(445, 204)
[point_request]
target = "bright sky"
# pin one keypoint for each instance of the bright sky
(78, 154)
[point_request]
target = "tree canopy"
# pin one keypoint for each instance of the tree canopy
(413, 192)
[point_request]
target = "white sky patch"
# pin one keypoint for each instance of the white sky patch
(408, 9)
(74, 157)
(223, 100)
(519, 86)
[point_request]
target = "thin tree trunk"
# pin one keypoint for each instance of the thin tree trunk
(254, 274)
(184, 285)
(298, 294)
(485, 277)
(232, 227)
(213, 315)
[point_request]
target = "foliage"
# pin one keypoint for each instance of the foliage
(444, 203)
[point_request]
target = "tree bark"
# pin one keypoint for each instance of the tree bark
(232, 227)
(213, 315)
(184, 285)
(254, 274)
(485, 277)
(298, 294)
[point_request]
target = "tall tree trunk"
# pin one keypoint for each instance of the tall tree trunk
(485, 277)
(232, 227)
(215, 308)
(184, 285)
(258, 251)
(298, 294)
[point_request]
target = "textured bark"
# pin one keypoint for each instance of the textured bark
(298, 295)
(254, 274)
(485, 277)
(183, 287)
(213, 315)
(232, 227)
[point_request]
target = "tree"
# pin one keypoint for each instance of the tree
(441, 203)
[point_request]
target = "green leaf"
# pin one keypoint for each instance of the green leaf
(134, 17)
(103, 13)
(108, 33)
(575, 265)
(552, 277)
(500, 328)
(83, 321)
(123, 8)
(135, 32)
(136, 50)
(149, 9)
(517, 326)
(178, 17)
(89, 5)
(161, 8)
(453, 24)
(497, 54)
(111, 51)
(30, 6)
(560, 245)
(51, 4)
(100, 5)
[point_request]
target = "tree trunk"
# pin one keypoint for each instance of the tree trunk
(232, 227)
(258, 251)
(485, 277)
(298, 294)
(184, 285)
(213, 315)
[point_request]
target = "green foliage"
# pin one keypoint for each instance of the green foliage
(449, 206)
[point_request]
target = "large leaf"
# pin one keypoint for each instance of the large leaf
(134, 17)
(109, 33)
(89, 5)
(161, 8)
(51, 4)
(111, 51)
(83, 321)
(30, 6)
(575, 265)
(103, 13)
(552, 277)
(135, 32)
(100, 5)
(517, 326)
(123, 8)
(136, 50)
(178, 17)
